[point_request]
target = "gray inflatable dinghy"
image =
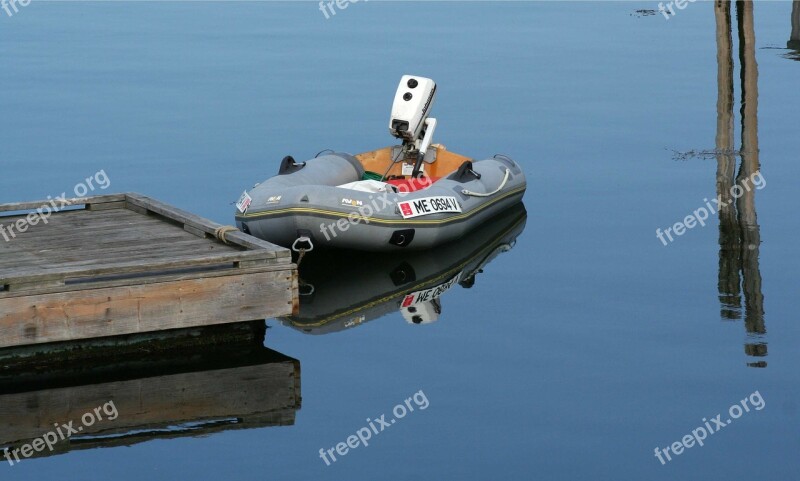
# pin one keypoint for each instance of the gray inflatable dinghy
(412, 196)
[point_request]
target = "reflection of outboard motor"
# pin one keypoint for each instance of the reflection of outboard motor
(426, 312)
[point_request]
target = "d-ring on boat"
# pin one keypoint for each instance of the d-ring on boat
(411, 196)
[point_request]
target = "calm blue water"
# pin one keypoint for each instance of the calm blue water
(576, 353)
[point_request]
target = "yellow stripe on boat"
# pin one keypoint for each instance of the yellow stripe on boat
(333, 213)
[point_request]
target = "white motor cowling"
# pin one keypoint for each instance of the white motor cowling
(411, 107)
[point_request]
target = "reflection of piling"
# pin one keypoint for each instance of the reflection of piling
(728, 282)
(794, 39)
(739, 236)
(751, 238)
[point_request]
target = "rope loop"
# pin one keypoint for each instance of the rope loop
(478, 194)
(221, 232)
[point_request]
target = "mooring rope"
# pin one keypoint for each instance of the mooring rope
(478, 194)
(300, 257)
(301, 253)
(221, 232)
(301, 284)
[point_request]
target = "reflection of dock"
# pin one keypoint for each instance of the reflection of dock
(179, 389)
(125, 263)
(739, 232)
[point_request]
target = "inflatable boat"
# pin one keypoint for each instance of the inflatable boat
(346, 290)
(410, 196)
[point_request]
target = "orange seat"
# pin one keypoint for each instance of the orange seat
(412, 184)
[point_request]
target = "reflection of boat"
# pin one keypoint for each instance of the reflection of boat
(179, 391)
(413, 196)
(347, 289)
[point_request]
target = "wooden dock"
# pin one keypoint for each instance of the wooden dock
(125, 263)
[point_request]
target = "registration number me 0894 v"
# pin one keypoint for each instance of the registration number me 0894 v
(428, 206)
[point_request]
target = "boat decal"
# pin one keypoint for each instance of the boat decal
(408, 168)
(352, 202)
(244, 202)
(429, 205)
(275, 199)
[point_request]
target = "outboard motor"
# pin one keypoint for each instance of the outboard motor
(409, 121)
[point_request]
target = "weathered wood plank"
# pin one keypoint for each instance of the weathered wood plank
(29, 286)
(93, 226)
(136, 204)
(26, 274)
(76, 222)
(119, 281)
(75, 201)
(196, 232)
(128, 250)
(117, 204)
(121, 310)
(200, 223)
(106, 244)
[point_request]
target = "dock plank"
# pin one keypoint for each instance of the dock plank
(110, 311)
(36, 204)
